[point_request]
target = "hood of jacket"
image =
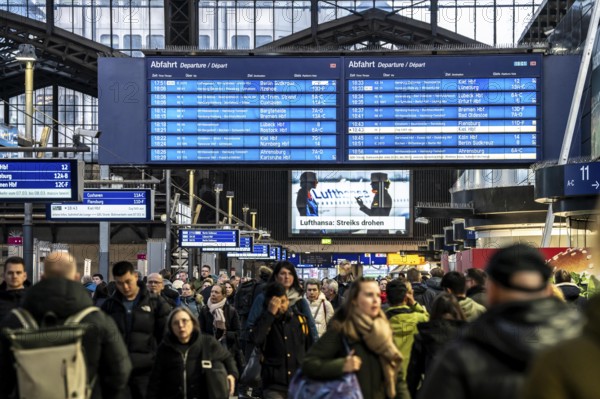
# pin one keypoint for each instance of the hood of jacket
(570, 290)
(419, 288)
(515, 331)
(61, 296)
(435, 283)
(438, 332)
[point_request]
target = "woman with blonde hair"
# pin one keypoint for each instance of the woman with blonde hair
(361, 326)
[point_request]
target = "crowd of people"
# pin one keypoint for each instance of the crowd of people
(505, 331)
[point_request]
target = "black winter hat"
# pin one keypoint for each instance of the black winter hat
(516, 258)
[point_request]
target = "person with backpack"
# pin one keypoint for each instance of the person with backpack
(141, 318)
(101, 364)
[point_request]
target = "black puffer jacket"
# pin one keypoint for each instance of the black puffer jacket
(178, 366)
(430, 340)
(147, 327)
(9, 299)
(424, 296)
(489, 360)
(105, 353)
(284, 341)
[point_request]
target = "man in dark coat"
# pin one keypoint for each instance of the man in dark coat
(421, 294)
(491, 357)
(288, 336)
(12, 288)
(60, 293)
(141, 318)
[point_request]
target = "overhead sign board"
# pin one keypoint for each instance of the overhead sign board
(245, 246)
(259, 251)
(209, 238)
(106, 205)
(28, 180)
(582, 179)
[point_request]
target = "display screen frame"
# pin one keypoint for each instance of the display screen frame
(293, 212)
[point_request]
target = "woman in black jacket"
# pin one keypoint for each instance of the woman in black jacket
(446, 319)
(187, 362)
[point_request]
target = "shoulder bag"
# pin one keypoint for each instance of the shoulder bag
(344, 387)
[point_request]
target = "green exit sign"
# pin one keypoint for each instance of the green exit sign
(326, 241)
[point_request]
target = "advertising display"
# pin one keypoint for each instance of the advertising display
(350, 202)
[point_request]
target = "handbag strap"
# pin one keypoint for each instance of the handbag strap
(346, 344)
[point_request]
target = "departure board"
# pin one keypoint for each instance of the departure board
(30, 180)
(454, 108)
(249, 110)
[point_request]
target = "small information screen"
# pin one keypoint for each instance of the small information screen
(270, 110)
(106, 205)
(259, 251)
(41, 181)
(209, 238)
(245, 246)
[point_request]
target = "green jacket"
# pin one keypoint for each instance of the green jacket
(404, 320)
(471, 308)
(325, 360)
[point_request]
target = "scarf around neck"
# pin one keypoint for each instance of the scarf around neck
(216, 309)
(377, 335)
(293, 296)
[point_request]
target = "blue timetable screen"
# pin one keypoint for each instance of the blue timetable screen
(271, 110)
(442, 109)
(344, 110)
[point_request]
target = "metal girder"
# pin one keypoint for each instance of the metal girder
(372, 27)
(63, 57)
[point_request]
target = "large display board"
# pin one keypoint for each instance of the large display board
(258, 110)
(29, 180)
(350, 202)
(344, 110)
(443, 108)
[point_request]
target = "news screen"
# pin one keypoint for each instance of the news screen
(375, 202)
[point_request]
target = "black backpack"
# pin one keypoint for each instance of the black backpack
(244, 297)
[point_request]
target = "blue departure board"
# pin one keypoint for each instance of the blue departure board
(259, 251)
(248, 110)
(209, 238)
(245, 246)
(106, 205)
(454, 108)
(29, 180)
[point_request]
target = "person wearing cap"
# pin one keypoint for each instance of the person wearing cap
(382, 201)
(491, 357)
(305, 202)
(570, 369)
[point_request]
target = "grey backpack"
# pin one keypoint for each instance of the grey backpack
(49, 360)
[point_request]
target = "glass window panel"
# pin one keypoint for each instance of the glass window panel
(261, 40)
(204, 42)
(155, 41)
(240, 41)
(105, 39)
